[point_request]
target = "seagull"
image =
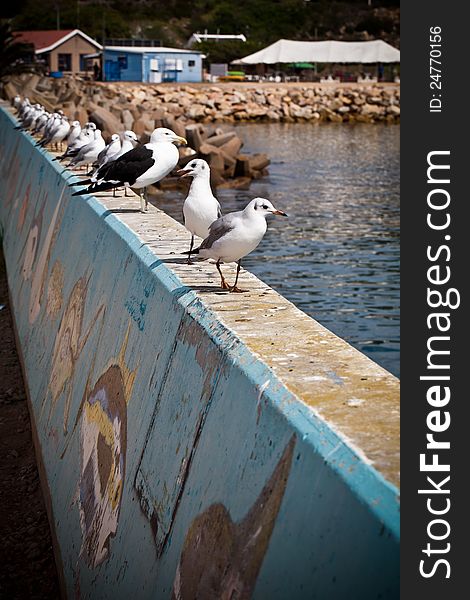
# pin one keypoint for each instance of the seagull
(108, 153)
(51, 124)
(235, 235)
(86, 136)
(105, 156)
(75, 131)
(57, 134)
(89, 153)
(23, 107)
(201, 208)
(40, 123)
(39, 115)
(16, 101)
(128, 142)
(139, 167)
(29, 117)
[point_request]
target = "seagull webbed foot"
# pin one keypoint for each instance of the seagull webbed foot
(234, 288)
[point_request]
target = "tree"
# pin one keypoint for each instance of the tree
(15, 56)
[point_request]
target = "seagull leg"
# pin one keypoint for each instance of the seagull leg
(125, 192)
(190, 262)
(146, 200)
(142, 201)
(223, 284)
(234, 287)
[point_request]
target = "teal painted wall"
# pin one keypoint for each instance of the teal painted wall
(166, 479)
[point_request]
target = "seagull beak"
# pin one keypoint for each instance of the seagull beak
(184, 172)
(180, 139)
(279, 212)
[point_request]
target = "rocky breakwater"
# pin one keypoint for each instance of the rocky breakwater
(198, 111)
(232, 103)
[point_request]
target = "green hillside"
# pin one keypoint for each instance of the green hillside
(173, 21)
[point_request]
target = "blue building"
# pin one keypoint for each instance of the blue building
(152, 64)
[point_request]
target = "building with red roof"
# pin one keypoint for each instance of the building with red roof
(63, 50)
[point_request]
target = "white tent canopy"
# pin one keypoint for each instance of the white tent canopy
(289, 51)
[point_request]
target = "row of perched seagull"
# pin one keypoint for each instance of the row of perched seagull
(125, 162)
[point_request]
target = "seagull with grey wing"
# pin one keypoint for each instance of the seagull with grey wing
(59, 133)
(235, 235)
(84, 137)
(201, 208)
(143, 166)
(40, 123)
(74, 133)
(108, 153)
(128, 142)
(88, 153)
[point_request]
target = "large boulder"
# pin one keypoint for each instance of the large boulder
(144, 125)
(127, 119)
(105, 120)
(10, 90)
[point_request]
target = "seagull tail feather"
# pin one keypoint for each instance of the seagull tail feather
(195, 251)
(102, 187)
(81, 182)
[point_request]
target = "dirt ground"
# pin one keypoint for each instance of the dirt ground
(27, 567)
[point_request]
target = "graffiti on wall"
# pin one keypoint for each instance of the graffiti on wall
(31, 246)
(231, 571)
(68, 346)
(23, 209)
(11, 173)
(103, 446)
(55, 290)
(40, 271)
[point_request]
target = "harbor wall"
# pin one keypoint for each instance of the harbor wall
(179, 459)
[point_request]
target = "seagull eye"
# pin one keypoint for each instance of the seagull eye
(265, 206)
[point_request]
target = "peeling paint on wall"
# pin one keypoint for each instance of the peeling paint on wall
(55, 290)
(221, 559)
(32, 244)
(103, 447)
(23, 209)
(39, 277)
(68, 345)
(11, 174)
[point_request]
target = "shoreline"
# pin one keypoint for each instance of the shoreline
(142, 106)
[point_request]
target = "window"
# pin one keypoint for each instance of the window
(84, 63)
(191, 63)
(173, 64)
(65, 62)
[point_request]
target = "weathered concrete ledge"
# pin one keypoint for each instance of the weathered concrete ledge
(195, 443)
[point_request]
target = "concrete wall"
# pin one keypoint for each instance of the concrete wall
(194, 443)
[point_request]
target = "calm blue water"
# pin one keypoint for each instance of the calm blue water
(337, 256)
